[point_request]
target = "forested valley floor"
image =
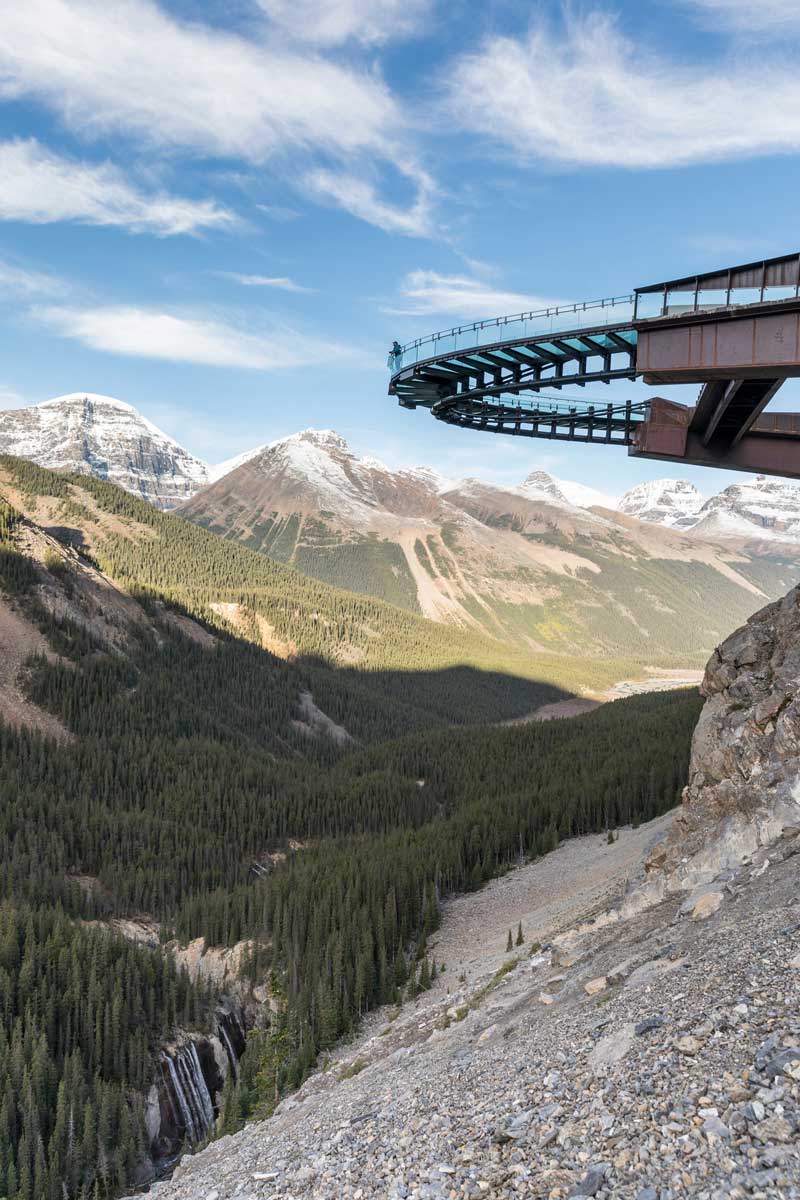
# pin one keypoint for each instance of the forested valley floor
(238, 752)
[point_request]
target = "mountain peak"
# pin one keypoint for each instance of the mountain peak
(543, 486)
(99, 435)
(675, 503)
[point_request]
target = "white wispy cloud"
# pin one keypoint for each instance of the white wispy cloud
(41, 187)
(281, 282)
(20, 281)
(360, 198)
(428, 292)
(768, 17)
(278, 212)
(368, 21)
(176, 337)
(128, 67)
(584, 94)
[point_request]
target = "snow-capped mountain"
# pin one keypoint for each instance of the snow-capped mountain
(519, 561)
(764, 508)
(316, 472)
(675, 503)
(541, 486)
(101, 436)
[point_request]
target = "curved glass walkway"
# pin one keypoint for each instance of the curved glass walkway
(569, 345)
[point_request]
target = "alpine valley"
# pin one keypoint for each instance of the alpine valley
(245, 774)
(548, 567)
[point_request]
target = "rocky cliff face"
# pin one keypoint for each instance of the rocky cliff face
(744, 781)
(98, 435)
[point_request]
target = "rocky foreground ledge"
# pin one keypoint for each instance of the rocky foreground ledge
(643, 1059)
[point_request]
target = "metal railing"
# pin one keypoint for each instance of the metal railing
(515, 327)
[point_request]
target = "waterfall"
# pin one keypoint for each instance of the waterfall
(180, 1096)
(201, 1088)
(242, 1031)
(223, 1033)
(191, 1092)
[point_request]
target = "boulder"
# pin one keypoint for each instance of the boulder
(707, 905)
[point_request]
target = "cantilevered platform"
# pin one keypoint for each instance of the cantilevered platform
(736, 332)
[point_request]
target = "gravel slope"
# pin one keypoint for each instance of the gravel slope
(679, 1076)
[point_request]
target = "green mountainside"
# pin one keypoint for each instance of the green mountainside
(520, 565)
(190, 710)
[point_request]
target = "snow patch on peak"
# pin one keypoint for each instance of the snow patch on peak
(584, 496)
(430, 478)
(90, 398)
(373, 464)
(328, 438)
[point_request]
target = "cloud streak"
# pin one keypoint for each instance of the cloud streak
(769, 17)
(427, 292)
(359, 197)
(127, 67)
(40, 187)
(281, 282)
(181, 338)
(587, 96)
(372, 22)
(19, 281)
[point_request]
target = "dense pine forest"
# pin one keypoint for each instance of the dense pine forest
(187, 785)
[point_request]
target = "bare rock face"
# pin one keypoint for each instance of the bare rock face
(744, 781)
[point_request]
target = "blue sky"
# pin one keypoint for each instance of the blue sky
(222, 211)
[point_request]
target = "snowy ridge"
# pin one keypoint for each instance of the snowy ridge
(231, 464)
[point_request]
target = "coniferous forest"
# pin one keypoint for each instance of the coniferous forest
(189, 784)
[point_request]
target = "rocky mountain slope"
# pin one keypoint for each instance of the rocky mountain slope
(642, 1043)
(524, 563)
(101, 436)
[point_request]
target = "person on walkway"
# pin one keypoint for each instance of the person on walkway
(395, 360)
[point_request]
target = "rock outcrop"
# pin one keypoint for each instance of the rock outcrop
(744, 777)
